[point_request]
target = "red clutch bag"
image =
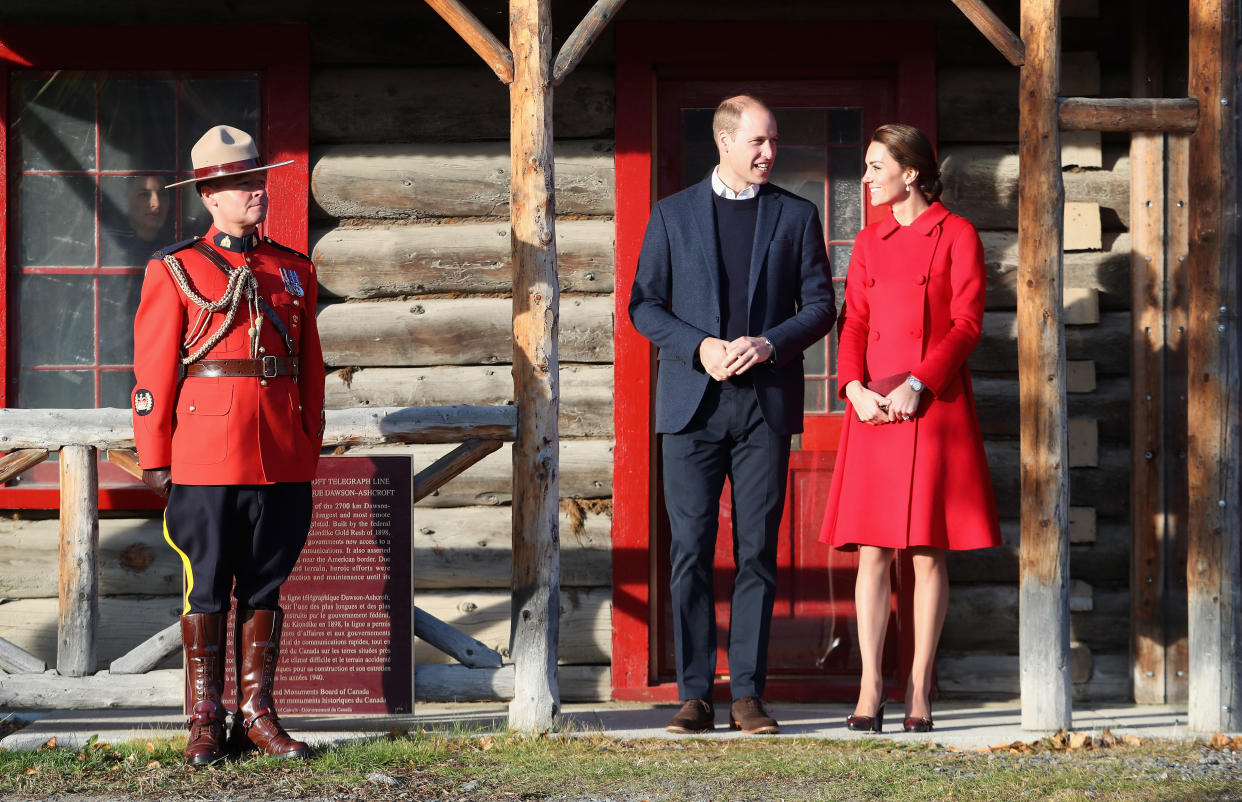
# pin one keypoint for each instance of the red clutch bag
(887, 384)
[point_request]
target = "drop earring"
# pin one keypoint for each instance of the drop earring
(907, 187)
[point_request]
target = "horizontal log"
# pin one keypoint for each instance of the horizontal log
(1172, 115)
(1106, 561)
(996, 401)
(585, 402)
(370, 427)
(486, 615)
(449, 683)
(473, 547)
(108, 428)
(134, 559)
(123, 623)
(150, 653)
(1108, 343)
(18, 462)
(982, 676)
(984, 618)
(375, 104)
(1106, 487)
(383, 261)
(16, 660)
(457, 645)
(459, 331)
(102, 691)
(1106, 271)
(981, 184)
(450, 180)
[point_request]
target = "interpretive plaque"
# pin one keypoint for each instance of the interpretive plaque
(348, 640)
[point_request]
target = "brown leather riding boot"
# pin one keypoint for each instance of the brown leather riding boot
(256, 650)
(203, 636)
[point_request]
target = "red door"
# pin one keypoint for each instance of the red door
(824, 123)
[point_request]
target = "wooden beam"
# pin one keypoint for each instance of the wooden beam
(451, 465)
(1043, 642)
(78, 625)
(1179, 115)
(456, 644)
(476, 34)
(995, 30)
(150, 653)
(16, 660)
(127, 460)
(583, 37)
(1215, 386)
(18, 462)
(536, 369)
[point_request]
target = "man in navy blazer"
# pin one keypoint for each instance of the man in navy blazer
(732, 285)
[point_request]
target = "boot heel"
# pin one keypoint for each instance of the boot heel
(867, 723)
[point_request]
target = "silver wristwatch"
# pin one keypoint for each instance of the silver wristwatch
(915, 384)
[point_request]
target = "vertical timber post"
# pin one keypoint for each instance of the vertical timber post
(536, 367)
(1214, 448)
(78, 624)
(1043, 625)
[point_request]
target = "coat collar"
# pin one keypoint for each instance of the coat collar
(924, 224)
(230, 243)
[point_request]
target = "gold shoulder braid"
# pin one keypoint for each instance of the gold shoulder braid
(241, 282)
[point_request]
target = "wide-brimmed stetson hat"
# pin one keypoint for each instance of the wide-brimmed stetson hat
(224, 150)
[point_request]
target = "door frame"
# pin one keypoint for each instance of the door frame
(647, 52)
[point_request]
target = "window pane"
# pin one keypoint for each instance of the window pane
(845, 173)
(816, 399)
(116, 386)
(57, 220)
(118, 301)
(845, 125)
(54, 122)
(136, 219)
(800, 126)
(64, 389)
(699, 163)
(801, 171)
(814, 360)
(135, 118)
(839, 255)
(58, 320)
(697, 126)
(207, 102)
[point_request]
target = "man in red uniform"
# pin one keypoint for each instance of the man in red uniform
(228, 420)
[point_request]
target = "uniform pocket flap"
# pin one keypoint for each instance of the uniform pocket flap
(217, 400)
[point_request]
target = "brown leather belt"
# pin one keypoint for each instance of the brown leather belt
(269, 367)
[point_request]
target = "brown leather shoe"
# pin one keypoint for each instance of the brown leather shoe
(747, 714)
(203, 634)
(256, 650)
(695, 716)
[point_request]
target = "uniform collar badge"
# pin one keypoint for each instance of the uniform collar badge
(293, 284)
(236, 244)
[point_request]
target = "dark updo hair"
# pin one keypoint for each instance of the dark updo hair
(911, 148)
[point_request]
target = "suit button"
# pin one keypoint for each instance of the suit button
(262, 382)
(875, 335)
(920, 280)
(870, 282)
(916, 333)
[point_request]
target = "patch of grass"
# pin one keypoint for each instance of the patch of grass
(465, 766)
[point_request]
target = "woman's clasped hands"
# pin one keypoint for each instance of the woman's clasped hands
(898, 406)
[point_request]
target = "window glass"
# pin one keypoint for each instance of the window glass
(92, 153)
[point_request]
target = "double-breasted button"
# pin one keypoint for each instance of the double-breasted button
(920, 280)
(916, 333)
(875, 335)
(870, 282)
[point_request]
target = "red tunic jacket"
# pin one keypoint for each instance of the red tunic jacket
(228, 430)
(914, 301)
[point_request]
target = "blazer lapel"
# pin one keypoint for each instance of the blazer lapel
(765, 226)
(704, 227)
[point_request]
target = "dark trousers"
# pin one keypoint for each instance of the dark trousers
(249, 533)
(726, 438)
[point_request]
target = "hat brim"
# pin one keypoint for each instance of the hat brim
(226, 175)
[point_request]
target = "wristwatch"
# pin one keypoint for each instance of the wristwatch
(772, 348)
(915, 384)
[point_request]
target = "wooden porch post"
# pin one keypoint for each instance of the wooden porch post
(78, 625)
(1214, 446)
(1043, 626)
(536, 369)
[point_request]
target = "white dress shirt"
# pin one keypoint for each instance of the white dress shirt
(721, 189)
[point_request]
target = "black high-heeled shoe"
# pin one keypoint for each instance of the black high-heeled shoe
(920, 724)
(867, 723)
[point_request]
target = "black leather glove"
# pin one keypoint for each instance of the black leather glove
(158, 479)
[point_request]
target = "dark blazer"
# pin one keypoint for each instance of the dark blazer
(675, 302)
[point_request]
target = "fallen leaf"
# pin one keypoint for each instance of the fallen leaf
(1079, 740)
(1236, 743)
(1220, 741)
(154, 764)
(485, 743)
(102, 745)
(1106, 738)
(1131, 740)
(32, 771)
(150, 747)
(50, 743)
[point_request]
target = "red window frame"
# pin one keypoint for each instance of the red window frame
(281, 56)
(647, 51)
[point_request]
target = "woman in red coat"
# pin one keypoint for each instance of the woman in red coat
(911, 472)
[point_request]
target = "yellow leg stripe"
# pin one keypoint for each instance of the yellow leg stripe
(185, 561)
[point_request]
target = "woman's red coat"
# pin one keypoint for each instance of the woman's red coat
(914, 302)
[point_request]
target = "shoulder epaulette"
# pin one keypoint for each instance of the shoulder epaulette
(178, 246)
(285, 248)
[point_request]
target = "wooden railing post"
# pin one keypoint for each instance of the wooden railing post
(536, 369)
(1043, 625)
(78, 625)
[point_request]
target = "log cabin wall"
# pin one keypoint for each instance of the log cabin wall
(409, 229)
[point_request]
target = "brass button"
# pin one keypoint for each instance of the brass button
(191, 407)
(296, 302)
(262, 350)
(262, 382)
(295, 320)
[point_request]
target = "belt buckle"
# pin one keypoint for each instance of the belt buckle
(269, 367)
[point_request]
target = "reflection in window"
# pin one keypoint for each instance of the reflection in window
(94, 152)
